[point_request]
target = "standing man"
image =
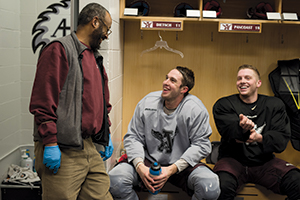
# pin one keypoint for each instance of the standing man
(170, 127)
(252, 128)
(70, 102)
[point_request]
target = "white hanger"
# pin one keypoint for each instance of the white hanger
(162, 44)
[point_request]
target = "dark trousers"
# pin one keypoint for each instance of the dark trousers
(281, 183)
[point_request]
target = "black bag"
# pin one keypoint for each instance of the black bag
(212, 158)
(285, 83)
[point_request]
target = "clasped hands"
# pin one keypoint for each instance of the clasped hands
(248, 125)
(156, 183)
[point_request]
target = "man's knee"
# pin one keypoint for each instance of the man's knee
(210, 189)
(122, 178)
(117, 186)
(205, 183)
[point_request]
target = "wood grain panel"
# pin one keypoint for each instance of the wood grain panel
(214, 57)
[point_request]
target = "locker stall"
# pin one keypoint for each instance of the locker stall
(213, 55)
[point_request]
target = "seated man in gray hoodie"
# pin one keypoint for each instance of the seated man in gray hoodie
(170, 127)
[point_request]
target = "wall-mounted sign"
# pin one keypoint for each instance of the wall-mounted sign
(52, 23)
(240, 27)
(162, 25)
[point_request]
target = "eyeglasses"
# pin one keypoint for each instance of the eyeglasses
(108, 32)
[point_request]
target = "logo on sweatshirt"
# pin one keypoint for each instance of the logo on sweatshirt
(166, 139)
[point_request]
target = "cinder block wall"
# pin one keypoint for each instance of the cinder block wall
(10, 78)
(17, 71)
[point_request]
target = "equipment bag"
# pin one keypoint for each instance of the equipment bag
(285, 83)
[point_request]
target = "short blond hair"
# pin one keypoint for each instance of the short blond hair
(246, 66)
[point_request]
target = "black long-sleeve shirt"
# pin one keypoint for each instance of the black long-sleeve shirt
(270, 118)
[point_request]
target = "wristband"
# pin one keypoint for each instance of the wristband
(136, 167)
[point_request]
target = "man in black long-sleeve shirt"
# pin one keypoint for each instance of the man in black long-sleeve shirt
(252, 128)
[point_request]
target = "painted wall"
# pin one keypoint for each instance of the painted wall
(17, 71)
(10, 77)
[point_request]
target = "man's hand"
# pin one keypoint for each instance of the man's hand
(108, 150)
(254, 137)
(162, 179)
(143, 171)
(52, 156)
(245, 123)
(156, 183)
(248, 125)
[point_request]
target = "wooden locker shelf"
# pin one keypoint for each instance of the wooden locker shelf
(233, 10)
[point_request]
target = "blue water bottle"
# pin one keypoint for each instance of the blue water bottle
(155, 170)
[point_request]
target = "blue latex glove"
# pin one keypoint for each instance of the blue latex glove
(52, 157)
(108, 150)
